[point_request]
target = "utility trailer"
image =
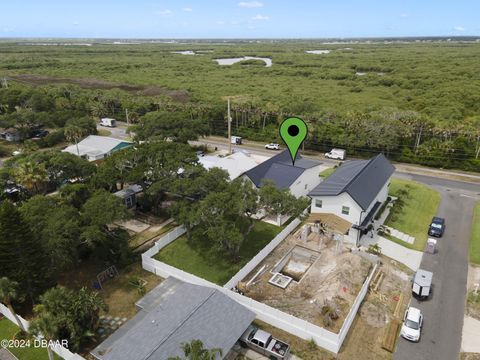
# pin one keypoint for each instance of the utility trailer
(422, 284)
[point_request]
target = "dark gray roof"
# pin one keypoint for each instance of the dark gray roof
(176, 312)
(361, 179)
(280, 170)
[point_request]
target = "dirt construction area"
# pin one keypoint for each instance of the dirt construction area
(383, 303)
(311, 279)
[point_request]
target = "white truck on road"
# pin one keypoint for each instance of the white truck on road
(338, 154)
(237, 140)
(264, 343)
(108, 122)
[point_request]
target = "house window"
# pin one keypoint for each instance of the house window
(318, 203)
(345, 210)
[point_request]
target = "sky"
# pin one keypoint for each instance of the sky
(238, 19)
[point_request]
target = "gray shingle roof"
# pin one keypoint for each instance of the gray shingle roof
(361, 179)
(280, 170)
(173, 313)
(128, 191)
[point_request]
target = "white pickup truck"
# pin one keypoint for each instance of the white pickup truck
(264, 343)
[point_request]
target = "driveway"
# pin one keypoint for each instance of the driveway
(118, 132)
(471, 335)
(408, 257)
(444, 311)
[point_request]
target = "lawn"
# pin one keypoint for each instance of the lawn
(104, 132)
(327, 172)
(474, 246)
(121, 293)
(206, 262)
(8, 330)
(420, 205)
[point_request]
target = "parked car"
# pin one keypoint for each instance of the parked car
(264, 343)
(37, 134)
(422, 284)
(437, 227)
(338, 154)
(412, 324)
(272, 146)
(17, 152)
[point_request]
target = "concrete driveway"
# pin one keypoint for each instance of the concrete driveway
(444, 311)
(471, 335)
(408, 257)
(118, 132)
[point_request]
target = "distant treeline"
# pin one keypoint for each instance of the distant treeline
(402, 135)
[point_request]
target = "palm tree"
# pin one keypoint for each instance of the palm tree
(74, 133)
(8, 293)
(31, 174)
(194, 351)
(44, 325)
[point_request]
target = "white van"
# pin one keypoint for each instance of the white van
(108, 122)
(338, 154)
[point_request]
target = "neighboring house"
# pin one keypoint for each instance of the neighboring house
(299, 179)
(95, 147)
(173, 313)
(235, 164)
(354, 192)
(129, 195)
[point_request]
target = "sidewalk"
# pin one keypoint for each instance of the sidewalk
(471, 335)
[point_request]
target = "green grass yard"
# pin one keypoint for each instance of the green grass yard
(8, 330)
(104, 132)
(204, 261)
(421, 204)
(327, 172)
(474, 246)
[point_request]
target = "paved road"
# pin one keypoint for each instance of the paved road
(444, 312)
(258, 149)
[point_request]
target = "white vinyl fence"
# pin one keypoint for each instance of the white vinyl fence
(58, 349)
(293, 325)
(353, 310)
(252, 264)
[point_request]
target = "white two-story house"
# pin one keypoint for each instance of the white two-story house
(354, 192)
(299, 178)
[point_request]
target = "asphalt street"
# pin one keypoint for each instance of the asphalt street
(444, 311)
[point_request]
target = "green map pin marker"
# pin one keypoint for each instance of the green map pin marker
(293, 131)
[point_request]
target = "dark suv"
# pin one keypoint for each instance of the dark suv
(437, 227)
